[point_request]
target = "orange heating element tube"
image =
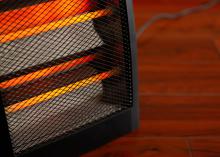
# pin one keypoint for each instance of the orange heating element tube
(57, 92)
(36, 15)
(46, 72)
(53, 25)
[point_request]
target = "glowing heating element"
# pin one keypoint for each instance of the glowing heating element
(55, 93)
(53, 25)
(48, 46)
(36, 15)
(46, 72)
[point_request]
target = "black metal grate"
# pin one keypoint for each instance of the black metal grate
(64, 64)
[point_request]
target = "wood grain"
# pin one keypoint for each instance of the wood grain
(134, 147)
(173, 49)
(180, 78)
(205, 147)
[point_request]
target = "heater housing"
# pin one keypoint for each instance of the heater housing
(68, 76)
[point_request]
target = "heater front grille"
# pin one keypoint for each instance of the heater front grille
(65, 64)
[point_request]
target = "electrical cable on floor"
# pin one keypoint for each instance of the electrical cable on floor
(173, 16)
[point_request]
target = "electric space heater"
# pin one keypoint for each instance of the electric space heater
(67, 76)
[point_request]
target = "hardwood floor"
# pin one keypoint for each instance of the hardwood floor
(179, 85)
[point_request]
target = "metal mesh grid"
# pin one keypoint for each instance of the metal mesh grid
(45, 47)
(64, 64)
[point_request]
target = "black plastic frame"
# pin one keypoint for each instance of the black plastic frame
(93, 135)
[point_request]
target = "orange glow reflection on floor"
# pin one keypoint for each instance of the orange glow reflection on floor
(53, 25)
(46, 72)
(57, 92)
(29, 17)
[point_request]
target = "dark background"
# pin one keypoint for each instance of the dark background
(179, 85)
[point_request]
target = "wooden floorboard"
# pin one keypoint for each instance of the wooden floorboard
(179, 85)
(180, 100)
(179, 78)
(140, 147)
(173, 49)
(205, 147)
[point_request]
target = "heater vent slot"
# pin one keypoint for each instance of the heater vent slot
(65, 64)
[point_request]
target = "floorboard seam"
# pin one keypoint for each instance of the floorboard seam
(189, 147)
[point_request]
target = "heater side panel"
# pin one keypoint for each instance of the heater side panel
(5, 142)
(134, 60)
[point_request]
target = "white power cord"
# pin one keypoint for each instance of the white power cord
(173, 16)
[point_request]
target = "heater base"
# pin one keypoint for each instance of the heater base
(89, 137)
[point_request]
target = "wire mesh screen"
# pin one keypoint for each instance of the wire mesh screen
(65, 64)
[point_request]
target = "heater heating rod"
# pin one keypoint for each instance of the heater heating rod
(54, 25)
(58, 92)
(31, 16)
(46, 72)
